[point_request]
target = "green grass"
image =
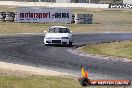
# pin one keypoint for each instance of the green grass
(8, 28)
(41, 82)
(119, 49)
(36, 82)
(104, 20)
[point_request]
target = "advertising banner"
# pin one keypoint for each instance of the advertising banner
(44, 15)
(128, 6)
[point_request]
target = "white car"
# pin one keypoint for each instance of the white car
(59, 35)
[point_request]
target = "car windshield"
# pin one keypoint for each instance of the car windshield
(58, 30)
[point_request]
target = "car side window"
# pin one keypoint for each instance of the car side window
(66, 31)
(60, 30)
(51, 30)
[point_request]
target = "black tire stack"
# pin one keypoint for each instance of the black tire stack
(10, 17)
(83, 18)
(7, 16)
(2, 16)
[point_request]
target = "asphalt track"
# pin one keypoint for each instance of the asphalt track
(30, 50)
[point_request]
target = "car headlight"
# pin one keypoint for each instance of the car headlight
(64, 38)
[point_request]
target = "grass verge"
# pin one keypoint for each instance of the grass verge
(41, 82)
(104, 20)
(119, 49)
(37, 82)
(10, 28)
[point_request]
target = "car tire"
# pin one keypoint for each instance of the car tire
(46, 44)
(70, 43)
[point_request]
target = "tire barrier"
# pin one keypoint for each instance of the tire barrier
(15, 18)
(83, 18)
(9, 17)
(2, 16)
(73, 18)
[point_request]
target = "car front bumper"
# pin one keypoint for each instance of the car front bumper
(56, 41)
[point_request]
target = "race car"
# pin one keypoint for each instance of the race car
(58, 35)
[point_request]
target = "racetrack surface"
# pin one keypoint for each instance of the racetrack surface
(30, 50)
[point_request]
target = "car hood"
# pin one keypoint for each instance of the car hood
(56, 35)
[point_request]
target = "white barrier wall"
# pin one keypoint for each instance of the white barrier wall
(46, 4)
(127, 1)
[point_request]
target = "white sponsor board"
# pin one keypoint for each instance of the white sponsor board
(44, 15)
(129, 6)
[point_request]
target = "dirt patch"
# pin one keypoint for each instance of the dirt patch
(22, 70)
(112, 58)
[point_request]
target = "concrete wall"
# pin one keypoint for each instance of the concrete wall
(106, 1)
(43, 0)
(87, 1)
(31, 0)
(127, 1)
(47, 4)
(63, 1)
(81, 1)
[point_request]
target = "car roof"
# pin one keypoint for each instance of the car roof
(58, 27)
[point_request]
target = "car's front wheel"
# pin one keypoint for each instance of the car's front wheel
(46, 44)
(70, 43)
